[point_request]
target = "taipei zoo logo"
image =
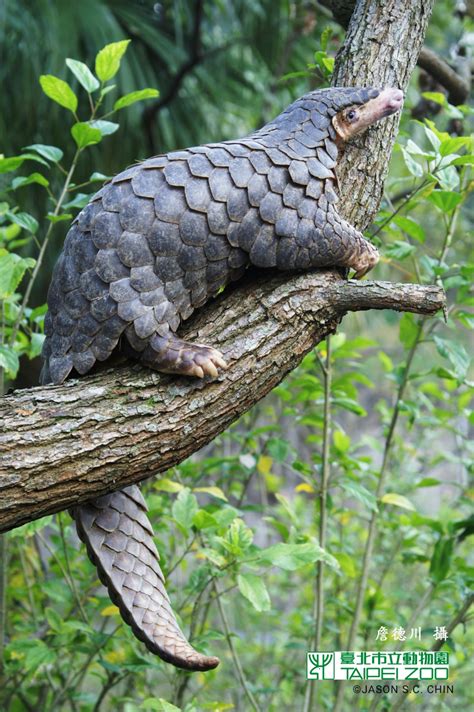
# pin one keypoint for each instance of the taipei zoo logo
(345, 665)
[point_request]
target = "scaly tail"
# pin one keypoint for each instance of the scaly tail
(119, 540)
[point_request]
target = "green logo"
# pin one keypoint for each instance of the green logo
(320, 666)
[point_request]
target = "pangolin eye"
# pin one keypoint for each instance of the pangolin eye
(351, 115)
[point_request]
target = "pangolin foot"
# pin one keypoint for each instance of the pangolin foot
(198, 360)
(365, 260)
(171, 354)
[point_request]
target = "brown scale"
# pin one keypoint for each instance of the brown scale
(156, 243)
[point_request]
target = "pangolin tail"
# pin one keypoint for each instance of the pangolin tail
(119, 540)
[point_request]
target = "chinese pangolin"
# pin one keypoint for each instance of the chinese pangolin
(157, 242)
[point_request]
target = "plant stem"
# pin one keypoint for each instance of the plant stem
(68, 569)
(369, 545)
(233, 652)
(67, 577)
(318, 603)
(39, 260)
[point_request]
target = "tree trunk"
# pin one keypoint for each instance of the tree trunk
(381, 48)
(60, 445)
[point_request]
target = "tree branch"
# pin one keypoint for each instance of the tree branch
(60, 445)
(456, 86)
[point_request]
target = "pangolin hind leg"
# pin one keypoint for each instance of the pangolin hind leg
(170, 354)
(119, 541)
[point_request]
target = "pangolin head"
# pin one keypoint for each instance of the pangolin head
(357, 109)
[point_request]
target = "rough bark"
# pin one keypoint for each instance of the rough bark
(60, 445)
(381, 48)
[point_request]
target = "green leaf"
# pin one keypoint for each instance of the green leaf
(238, 538)
(83, 75)
(347, 564)
(51, 153)
(12, 269)
(24, 220)
(342, 442)
(456, 355)
(184, 508)
(21, 181)
(408, 330)
(58, 218)
(204, 520)
(10, 164)
(435, 96)
(107, 62)
(105, 127)
(453, 145)
(84, 135)
(411, 227)
(9, 361)
(107, 90)
(214, 491)
(214, 557)
(400, 250)
(358, 491)
(98, 177)
(416, 150)
(167, 706)
(37, 654)
(167, 485)
(386, 361)
(441, 559)
(80, 200)
(445, 200)
(59, 91)
(463, 161)
(398, 500)
(413, 166)
(135, 96)
(294, 556)
(36, 345)
(11, 231)
(253, 588)
(434, 136)
(350, 404)
(54, 619)
(278, 449)
(428, 482)
(325, 37)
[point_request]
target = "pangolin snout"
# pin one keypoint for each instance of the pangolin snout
(390, 101)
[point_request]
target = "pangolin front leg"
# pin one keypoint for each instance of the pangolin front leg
(360, 254)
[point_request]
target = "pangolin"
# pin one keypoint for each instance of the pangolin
(157, 242)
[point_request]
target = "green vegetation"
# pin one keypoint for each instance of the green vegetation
(359, 462)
